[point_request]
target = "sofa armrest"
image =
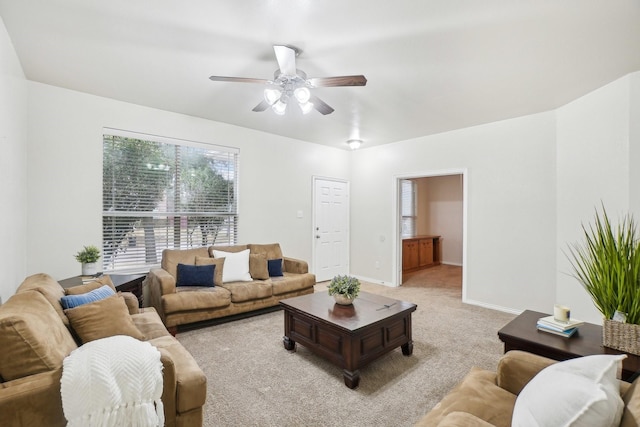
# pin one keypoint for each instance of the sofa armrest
(32, 401)
(516, 368)
(132, 302)
(298, 266)
(159, 282)
(185, 385)
(168, 383)
(458, 419)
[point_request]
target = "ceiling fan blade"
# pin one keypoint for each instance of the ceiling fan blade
(359, 80)
(261, 106)
(286, 58)
(320, 105)
(237, 79)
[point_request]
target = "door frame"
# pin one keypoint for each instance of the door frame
(314, 179)
(397, 233)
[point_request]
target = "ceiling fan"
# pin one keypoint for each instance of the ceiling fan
(290, 84)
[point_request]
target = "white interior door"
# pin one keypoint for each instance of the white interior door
(331, 228)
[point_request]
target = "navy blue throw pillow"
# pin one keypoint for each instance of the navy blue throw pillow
(195, 275)
(275, 267)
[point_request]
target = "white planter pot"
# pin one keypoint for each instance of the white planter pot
(89, 268)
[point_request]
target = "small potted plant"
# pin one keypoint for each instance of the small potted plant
(344, 289)
(89, 257)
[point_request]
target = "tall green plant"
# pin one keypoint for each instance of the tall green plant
(607, 264)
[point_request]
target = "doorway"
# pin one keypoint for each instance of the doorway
(330, 228)
(433, 204)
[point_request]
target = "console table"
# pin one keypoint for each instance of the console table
(521, 334)
(123, 283)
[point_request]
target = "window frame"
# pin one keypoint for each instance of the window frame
(176, 221)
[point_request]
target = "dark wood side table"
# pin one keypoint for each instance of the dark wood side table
(521, 334)
(123, 283)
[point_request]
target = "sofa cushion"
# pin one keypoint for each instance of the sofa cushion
(582, 391)
(236, 266)
(219, 263)
(258, 266)
(291, 282)
(471, 396)
(49, 288)
(172, 257)
(88, 287)
(33, 339)
(247, 291)
(270, 250)
(195, 275)
(195, 298)
(275, 267)
(149, 323)
(71, 301)
(101, 319)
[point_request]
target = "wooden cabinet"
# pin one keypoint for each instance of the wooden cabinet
(420, 252)
(425, 252)
(410, 255)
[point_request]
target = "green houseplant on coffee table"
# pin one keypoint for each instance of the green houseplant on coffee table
(344, 289)
(607, 264)
(88, 257)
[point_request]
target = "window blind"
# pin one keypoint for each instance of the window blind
(407, 208)
(161, 193)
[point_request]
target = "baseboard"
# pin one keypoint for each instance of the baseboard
(491, 306)
(374, 281)
(455, 264)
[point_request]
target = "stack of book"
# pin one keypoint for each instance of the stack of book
(564, 329)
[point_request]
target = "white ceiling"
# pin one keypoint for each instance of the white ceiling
(431, 65)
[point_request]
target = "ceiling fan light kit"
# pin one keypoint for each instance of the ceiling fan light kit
(291, 83)
(354, 144)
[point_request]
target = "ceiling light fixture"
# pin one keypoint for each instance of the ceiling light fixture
(354, 144)
(285, 88)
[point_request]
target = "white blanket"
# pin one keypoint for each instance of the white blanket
(115, 381)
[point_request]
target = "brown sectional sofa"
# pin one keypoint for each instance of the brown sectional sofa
(179, 305)
(35, 339)
(485, 398)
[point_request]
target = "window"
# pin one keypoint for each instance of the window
(408, 208)
(162, 193)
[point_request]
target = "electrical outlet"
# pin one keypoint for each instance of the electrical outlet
(377, 264)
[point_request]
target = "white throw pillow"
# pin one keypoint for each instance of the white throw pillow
(236, 266)
(580, 392)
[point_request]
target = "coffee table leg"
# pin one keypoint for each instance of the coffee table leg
(289, 344)
(407, 349)
(351, 378)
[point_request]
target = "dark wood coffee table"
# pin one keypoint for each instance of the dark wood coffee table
(349, 336)
(521, 334)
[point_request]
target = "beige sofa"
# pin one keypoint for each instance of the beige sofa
(180, 305)
(486, 398)
(35, 337)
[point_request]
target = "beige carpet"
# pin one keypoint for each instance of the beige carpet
(254, 381)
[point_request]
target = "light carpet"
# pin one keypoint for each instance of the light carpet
(254, 381)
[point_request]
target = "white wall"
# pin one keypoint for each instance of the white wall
(510, 254)
(440, 209)
(65, 170)
(13, 167)
(597, 163)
